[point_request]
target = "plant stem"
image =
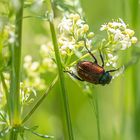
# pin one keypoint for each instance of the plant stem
(97, 117)
(62, 82)
(94, 103)
(14, 95)
(16, 71)
(6, 94)
(13, 134)
(61, 75)
(39, 101)
(134, 5)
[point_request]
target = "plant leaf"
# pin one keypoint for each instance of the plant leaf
(42, 135)
(4, 132)
(37, 134)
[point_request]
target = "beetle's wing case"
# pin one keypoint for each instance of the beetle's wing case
(89, 71)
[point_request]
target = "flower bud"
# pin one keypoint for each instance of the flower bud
(85, 27)
(90, 35)
(129, 32)
(74, 17)
(134, 40)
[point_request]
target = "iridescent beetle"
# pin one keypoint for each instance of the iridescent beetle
(91, 71)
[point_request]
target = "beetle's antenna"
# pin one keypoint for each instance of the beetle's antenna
(113, 70)
(90, 53)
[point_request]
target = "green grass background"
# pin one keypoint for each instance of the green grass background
(119, 102)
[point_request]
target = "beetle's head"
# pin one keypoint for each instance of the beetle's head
(105, 78)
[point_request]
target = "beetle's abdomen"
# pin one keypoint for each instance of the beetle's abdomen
(89, 71)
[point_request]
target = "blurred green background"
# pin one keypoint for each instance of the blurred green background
(119, 102)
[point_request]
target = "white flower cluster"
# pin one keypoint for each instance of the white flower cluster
(32, 73)
(47, 55)
(119, 37)
(73, 32)
(118, 33)
(34, 69)
(7, 34)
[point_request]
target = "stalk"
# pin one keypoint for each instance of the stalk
(39, 101)
(60, 72)
(6, 93)
(97, 117)
(93, 100)
(136, 79)
(14, 95)
(13, 135)
(126, 82)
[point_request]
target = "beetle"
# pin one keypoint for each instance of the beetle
(92, 72)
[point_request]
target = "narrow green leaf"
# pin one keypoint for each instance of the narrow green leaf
(4, 132)
(42, 136)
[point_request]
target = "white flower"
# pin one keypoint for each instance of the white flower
(12, 37)
(129, 32)
(125, 43)
(28, 58)
(118, 36)
(34, 66)
(110, 55)
(85, 28)
(65, 25)
(103, 27)
(66, 44)
(44, 49)
(80, 23)
(121, 35)
(73, 31)
(111, 60)
(116, 24)
(74, 17)
(27, 61)
(122, 23)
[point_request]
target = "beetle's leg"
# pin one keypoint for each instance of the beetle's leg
(102, 59)
(95, 60)
(74, 75)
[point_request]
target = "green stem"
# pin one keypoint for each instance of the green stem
(62, 82)
(4, 86)
(97, 117)
(15, 118)
(13, 134)
(61, 75)
(39, 101)
(134, 6)
(16, 70)
(6, 94)
(93, 100)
